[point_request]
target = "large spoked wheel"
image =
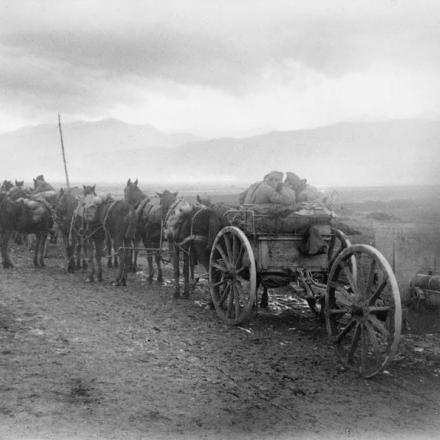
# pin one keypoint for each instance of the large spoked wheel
(363, 313)
(232, 275)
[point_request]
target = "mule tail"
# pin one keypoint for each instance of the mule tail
(130, 232)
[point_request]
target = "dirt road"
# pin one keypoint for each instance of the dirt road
(89, 361)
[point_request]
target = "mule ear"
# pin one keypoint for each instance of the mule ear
(128, 182)
(84, 187)
(136, 182)
(175, 194)
(198, 199)
(159, 194)
(93, 188)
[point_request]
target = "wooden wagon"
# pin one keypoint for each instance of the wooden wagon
(351, 286)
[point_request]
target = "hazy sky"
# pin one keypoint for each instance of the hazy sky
(219, 67)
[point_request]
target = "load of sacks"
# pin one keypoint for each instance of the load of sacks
(289, 206)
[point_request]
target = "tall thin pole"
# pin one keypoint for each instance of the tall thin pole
(64, 154)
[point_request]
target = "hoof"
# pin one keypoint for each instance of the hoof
(116, 283)
(176, 295)
(89, 280)
(211, 305)
(109, 265)
(185, 295)
(7, 265)
(160, 280)
(150, 280)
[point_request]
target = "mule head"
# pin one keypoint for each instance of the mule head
(6, 186)
(205, 202)
(167, 199)
(91, 204)
(132, 193)
(19, 183)
(89, 190)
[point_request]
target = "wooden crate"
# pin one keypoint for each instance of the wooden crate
(282, 252)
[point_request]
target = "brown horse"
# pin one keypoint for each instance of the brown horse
(191, 231)
(115, 219)
(24, 216)
(150, 216)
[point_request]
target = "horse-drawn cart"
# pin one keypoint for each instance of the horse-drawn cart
(352, 286)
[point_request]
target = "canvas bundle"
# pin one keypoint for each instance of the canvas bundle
(36, 209)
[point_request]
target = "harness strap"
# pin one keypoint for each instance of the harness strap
(191, 238)
(106, 217)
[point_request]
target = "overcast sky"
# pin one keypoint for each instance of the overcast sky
(221, 67)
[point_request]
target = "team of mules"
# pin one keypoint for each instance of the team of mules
(24, 211)
(87, 223)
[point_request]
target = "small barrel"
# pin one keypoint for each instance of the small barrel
(430, 285)
(421, 280)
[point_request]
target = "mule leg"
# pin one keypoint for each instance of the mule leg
(99, 251)
(37, 248)
(83, 249)
(109, 248)
(158, 257)
(42, 248)
(4, 241)
(176, 272)
(150, 267)
(186, 271)
(121, 277)
(125, 261)
(133, 263)
(90, 262)
(70, 252)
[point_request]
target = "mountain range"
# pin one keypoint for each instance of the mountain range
(362, 153)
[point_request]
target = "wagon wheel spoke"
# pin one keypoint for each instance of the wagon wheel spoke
(224, 295)
(345, 331)
(349, 275)
(374, 341)
(228, 249)
(370, 278)
(377, 310)
(364, 350)
(241, 269)
(240, 255)
(219, 283)
(234, 249)
(219, 266)
(338, 311)
(230, 303)
(236, 301)
(376, 295)
(354, 343)
(222, 254)
(379, 326)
